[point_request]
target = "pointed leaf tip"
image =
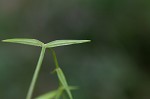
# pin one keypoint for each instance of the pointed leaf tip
(33, 42)
(57, 43)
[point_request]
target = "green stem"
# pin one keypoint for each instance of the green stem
(55, 59)
(35, 76)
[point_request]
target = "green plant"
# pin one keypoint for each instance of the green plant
(62, 80)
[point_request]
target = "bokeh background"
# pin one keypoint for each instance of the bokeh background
(115, 65)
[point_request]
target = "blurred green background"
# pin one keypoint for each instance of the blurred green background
(115, 65)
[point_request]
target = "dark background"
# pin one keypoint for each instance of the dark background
(115, 65)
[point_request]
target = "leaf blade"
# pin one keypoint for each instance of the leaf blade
(57, 43)
(49, 95)
(55, 94)
(61, 76)
(63, 81)
(33, 42)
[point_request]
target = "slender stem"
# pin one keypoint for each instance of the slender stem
(55, 59)
(35, 76)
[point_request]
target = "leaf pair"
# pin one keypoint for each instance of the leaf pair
(52, 44)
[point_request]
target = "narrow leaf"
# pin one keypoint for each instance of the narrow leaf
(33, 42)
(49, 95)
(61, 90)
(73, 87)
(61, 76)
(57, 43)
(56, 93)
(59, 93)
(63, 81)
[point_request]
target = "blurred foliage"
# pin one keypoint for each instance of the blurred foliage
(115, 65)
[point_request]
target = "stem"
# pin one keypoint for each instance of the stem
(35, 76)
(55, 59)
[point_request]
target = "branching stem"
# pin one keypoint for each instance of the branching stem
(36, 73)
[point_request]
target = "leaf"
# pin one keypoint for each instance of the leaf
(49, 95)
(61, 76)
(61, 90)
(25, 41)
(59, 93)
(63, 81)
(57, 43)
(55, 94)
(73, 87)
